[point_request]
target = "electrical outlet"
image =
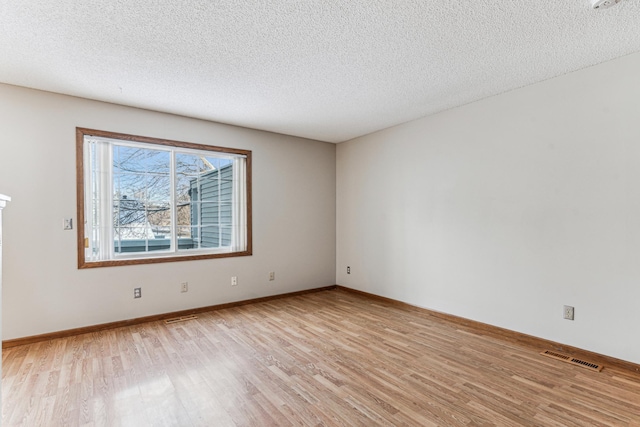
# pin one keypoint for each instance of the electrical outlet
(137, 292)
(184, 287)
(67, 224)
(272, 276)
(568, 312)
(234, 281)
(348, 270)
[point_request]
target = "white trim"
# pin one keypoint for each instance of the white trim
(167, 254)
(174, 246)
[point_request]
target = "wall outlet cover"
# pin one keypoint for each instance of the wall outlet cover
(568, 312)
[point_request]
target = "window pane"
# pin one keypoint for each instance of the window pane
(131, 186)
(205, 181)
(128, 212)
(158, 188)
(194, 164)
(159, 219)
(209, 213)
(141, 205)
(131, 239)
(185, 187)
(210, 237)
(190, 237)
(183, 212)
(135, 159)
(209, 185)
(226, 170)
(226, 214)
(225, 236)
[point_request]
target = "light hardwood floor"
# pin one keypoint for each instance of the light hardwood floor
(331, 358)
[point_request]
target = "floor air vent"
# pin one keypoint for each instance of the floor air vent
(574, 361)
(180, 319)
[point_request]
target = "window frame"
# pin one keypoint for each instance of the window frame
(81, 133)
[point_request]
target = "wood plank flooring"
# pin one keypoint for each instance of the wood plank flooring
(331, 358)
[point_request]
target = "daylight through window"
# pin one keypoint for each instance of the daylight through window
(147, 200)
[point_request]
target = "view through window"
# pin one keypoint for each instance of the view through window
(149, 200)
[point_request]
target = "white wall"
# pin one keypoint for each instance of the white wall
(506, 209)
(293, 218)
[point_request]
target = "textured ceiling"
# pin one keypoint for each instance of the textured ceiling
(324, 69)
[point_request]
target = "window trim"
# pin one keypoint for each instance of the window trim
(80, 199)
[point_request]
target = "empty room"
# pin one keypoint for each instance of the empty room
(288, 213)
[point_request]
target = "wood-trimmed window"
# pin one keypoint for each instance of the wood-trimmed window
(145, 200)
